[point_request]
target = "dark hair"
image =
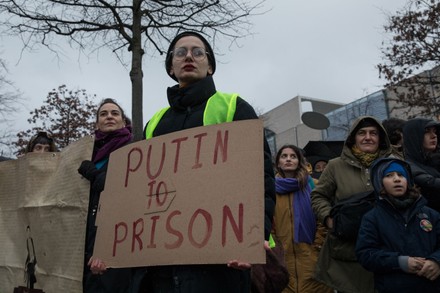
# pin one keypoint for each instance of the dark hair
(301, 173)
(111, 101)
(169, 57)
(394, 129)
(41, 137)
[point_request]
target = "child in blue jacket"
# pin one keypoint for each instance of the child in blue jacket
(399, 239)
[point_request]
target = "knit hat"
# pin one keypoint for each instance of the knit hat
(366, 122)
(396, 167)
(169, 58)
(383, 166)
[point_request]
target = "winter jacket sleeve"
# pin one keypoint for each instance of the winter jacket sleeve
(244, 111)
(369, 252)
(96, 176)
(98, 183)
(436, 254)
(424, 179)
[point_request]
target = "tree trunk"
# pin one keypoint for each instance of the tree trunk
(136, 73)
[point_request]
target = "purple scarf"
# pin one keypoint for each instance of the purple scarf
(107, 142)
(304, 218)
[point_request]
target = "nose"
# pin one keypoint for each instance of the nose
(189, 55)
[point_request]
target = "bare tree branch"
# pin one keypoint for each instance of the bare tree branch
(68, 115)
(91, 25)
(10, 100)
(414, 47)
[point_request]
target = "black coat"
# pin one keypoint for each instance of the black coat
(424, 167)
(387, 233)
(113, 280)
(187, 106)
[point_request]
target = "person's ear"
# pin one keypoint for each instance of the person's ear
(171, 71)
(210, 70)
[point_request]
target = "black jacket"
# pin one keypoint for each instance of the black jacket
(113, 280)
(187, 106)
(387, 233)
(424, 167)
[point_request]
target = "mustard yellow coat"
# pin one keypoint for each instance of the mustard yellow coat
(300, 258)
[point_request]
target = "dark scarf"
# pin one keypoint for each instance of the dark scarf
(304, 218)
(401, 203)
(107, 142)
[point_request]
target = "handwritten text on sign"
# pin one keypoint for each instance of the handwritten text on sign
(190, 197)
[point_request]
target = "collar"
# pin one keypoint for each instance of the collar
(192, 95)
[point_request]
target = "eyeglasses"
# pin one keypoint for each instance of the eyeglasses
(197, 53)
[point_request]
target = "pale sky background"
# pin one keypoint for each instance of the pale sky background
(325, 49)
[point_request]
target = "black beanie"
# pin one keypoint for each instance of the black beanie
(366, 122)
(169, 58)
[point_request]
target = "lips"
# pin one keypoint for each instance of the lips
(188, 67)
(399, 188)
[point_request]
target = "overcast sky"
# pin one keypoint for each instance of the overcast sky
(323, 49)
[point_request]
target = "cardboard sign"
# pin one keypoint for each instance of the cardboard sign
(189, 197)
(42, 196)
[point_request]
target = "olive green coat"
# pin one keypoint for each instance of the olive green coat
(344, 176)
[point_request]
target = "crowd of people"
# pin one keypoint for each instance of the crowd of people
(397, 245)
(397, 248)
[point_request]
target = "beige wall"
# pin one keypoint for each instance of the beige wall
(285, 121)
(428, 79)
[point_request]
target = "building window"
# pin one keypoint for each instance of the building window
(271, 140)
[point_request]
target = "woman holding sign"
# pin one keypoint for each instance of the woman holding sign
(113, 131)
(194, 102)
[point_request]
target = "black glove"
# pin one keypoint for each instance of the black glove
(88, 170)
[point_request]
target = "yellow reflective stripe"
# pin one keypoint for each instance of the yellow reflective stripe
(217, 106)
(271, 241)
(151, 126)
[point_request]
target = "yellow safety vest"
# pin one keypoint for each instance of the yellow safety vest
(219, 108)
